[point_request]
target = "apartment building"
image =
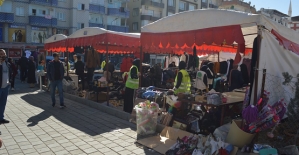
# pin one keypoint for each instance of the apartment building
(28, 23)
(276, 16)
(144, 12)
(238, 5)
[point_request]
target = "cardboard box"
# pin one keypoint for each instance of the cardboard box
(165, 140)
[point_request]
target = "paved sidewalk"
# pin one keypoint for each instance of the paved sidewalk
(38, 128)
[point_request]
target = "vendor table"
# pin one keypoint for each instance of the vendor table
(233, 98)
(99, 89)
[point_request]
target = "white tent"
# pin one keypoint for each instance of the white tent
(55, 38)
(279, 46)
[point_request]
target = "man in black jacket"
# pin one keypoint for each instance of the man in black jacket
(23, 66)
(5, 74)
(79, 67)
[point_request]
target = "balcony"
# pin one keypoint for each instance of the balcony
(45, 2)
(6, 17)
(121, 12)
(150, 17)
(42, 21)
(152, 3)
(91, 24)
(96, 8)
(118, 28)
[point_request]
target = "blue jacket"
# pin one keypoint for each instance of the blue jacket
(51, 70)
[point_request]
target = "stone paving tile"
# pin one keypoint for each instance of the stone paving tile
(37, 128)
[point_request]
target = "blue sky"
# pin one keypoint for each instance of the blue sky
(280, 5)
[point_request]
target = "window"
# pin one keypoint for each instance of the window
(41, 12)
(60, 16)
(135, 26)
(20, 11)
(135, 12)
(170, 3)
(81, 6)
(182, 5)
(144, 22)
(101, 2)
(192, 7)
(33, 12)
(150, 12)
(80, 26)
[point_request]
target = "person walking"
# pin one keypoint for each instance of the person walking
(182, 82)
(23, 66)
(31, 80)
(55, 72)
(5, 77)
(14, 73)
(79, 67)
(132, 84)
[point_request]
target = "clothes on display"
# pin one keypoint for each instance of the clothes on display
(174, 59)
(126, 64)
(201, 81)
(209, 74)
(28, 53)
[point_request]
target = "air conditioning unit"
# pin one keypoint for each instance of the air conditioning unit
(146, 7)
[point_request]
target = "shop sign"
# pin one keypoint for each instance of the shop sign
(14, 53)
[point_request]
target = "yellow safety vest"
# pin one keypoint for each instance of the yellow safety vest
(185, 84)
(103, 64)
(132, 83)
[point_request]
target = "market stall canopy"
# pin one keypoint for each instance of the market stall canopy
(56, 43)
(208, 27)
(98, 38)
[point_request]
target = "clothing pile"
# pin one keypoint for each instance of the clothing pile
(69, 86)
(200, 145)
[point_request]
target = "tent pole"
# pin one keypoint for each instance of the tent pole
(141, 60)
(256, 75)
(218, 56)
(107, 70)
(68, 58)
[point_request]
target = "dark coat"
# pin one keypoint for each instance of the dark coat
(51, 70)
(31, 72)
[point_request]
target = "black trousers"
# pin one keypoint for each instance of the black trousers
(23, 74)
(90, 72)
(81, 77)
(12, 82)
(129, 100)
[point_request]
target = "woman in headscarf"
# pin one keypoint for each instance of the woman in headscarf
(31, 72)
(132, 84)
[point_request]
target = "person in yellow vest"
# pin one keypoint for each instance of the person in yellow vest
(132, 84)
(182, 82)
(103, 64)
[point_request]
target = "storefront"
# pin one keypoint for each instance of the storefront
(15, 53)
(38, 35)
(16, 33)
